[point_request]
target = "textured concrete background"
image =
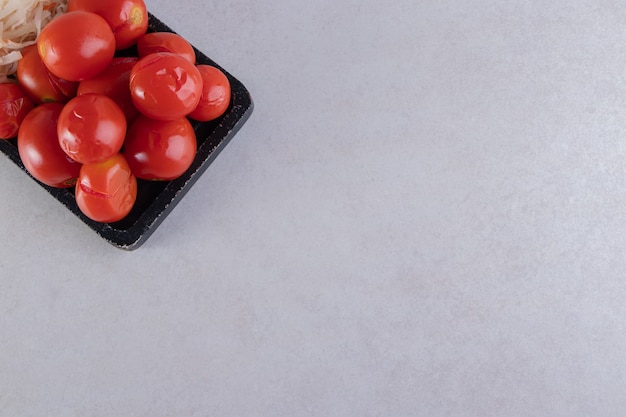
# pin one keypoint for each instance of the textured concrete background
(423, 217)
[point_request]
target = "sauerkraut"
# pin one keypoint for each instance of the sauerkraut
(20, 24)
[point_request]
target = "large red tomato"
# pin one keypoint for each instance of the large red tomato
(91, 128)
(160, 150)
(165, 86)
(215, 94)
(106, 191)
(113, 83)
(39, 148)
(153, 42)
(127, 18)
(76, 45)
(14, 106)
(40, 84)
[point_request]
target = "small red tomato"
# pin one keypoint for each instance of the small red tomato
(106, 191)
(39, 149)
(14, 106)
(127, 18)
(40, 84)
(76, 45)
(153, 42)
(165, 86)
(113, 83)
(91, 128)
(160, 150)
(215, 94)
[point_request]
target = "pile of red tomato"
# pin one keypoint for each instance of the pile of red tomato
(87, 118)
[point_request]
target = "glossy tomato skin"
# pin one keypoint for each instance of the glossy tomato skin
(14, 106)
(40, 84)
(39, 148)
(215, 97)
(91, 128)
(128, 19)
(76, 45)
(165, 86)
(106, 191)
(160, 150)
(154, 42)
(113, 83)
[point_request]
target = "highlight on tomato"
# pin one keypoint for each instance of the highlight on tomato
(128, 19)
(39, 83)
(160, 150)
(106, 191)
(14, 106)
(215, 97)
(165, 86)
(39, 149)
(76, 45)
(154, 42)
(91, 128)
(113, 83)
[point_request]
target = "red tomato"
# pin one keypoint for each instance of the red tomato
(106, 191)
(113, 83)
(153, 42)
(160, 150)
(14, 106)
(127, 18)
(91, 128)
(165, 86)
(40, 84)
(215, 94)
(39, 149)
(76, 45)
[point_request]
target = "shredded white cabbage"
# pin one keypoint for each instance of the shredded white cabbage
(20, 24)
